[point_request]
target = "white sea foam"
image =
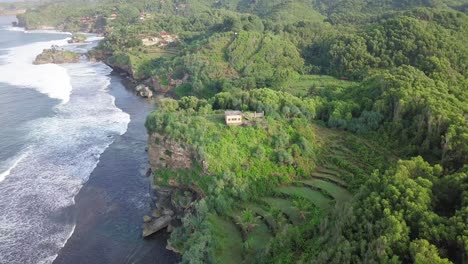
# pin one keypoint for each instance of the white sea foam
(12, 28)
(50, 79)
(94, 38)
(47, 31)
(42, 31)
(12, 163)
(52, 258)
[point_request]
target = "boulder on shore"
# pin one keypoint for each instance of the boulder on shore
(156, 225)
(56, 56)
(144, 91)
(147, 219)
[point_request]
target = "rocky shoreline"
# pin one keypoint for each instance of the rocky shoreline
(169, 202)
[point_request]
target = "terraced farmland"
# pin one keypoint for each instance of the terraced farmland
(313, 196)
(285, 206)
(340, 194)
(266, 216)
(323, 189)
(330, 177)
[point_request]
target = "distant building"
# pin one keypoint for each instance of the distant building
(233, 117)
(113, 16)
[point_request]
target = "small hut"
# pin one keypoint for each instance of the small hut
(233, 117)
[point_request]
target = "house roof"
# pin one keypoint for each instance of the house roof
(231, 113)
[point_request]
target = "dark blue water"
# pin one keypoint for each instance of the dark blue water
(17, 107)
(72, 160)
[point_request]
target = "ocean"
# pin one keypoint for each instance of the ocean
(72, 159)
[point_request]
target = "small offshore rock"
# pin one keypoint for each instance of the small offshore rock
(144, 91)
(148, 172)
(140, 87)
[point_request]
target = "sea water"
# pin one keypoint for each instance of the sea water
(55, 122)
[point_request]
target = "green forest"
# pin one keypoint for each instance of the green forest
(362, 156)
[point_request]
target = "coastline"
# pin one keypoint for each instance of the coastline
(65, 141)
(159, 239)
(101, 209)
(80, 210)
(97, 220)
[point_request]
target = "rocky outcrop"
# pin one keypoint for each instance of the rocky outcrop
(56, 56)
(159, 87)
(155, 225)
(144, 91)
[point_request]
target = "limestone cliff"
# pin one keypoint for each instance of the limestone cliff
(164, 152)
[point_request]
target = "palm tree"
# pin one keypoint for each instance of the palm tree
(303, 206)
(247, 220)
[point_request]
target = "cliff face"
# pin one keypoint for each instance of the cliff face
(165, 152)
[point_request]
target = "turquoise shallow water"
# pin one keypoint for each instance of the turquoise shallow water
(71, 160)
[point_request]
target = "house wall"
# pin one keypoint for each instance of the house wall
(233, 119)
